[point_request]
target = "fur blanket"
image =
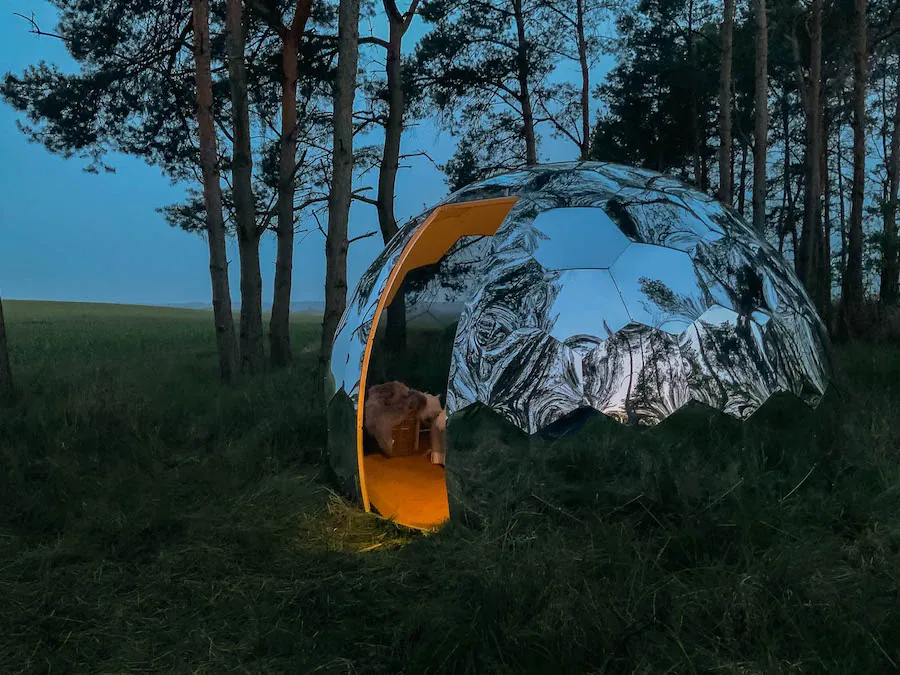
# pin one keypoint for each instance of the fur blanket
(387, 405)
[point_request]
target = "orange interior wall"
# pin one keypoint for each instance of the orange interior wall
(410, 489)
(428, 245)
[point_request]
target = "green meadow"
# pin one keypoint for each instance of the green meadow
(152, 520)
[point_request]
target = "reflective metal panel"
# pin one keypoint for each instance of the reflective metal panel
(664, 221)
(729, 369)
(584, 308)
(538, 380)
(486, 460)
(627, 176)
(611, 288)
(660, 286)
(637, 376)
(438, 293)
(342, 452)
(600, 242)
(350, 339)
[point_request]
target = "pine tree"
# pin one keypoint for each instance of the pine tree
(852, 290)
(290, 36)
(481, 66)
(725, 164)
(398, 23)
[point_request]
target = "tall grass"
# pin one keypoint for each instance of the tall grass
(151, 520)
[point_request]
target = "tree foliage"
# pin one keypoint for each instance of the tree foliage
(500, 76)
(648, 116)
(484, 65)
(665, 83)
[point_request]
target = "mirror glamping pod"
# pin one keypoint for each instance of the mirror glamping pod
(577, 286)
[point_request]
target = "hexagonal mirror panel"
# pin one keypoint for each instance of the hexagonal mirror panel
(661, 220)
(585, 308)
(660, 287)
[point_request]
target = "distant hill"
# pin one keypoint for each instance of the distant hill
(189, 305)
(298, 307)
(312, 306)
(440, 310)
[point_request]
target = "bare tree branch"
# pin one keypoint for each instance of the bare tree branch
(362, 236)
(363, 40)
(421, 153)
(306, 203)
(392, 11)
(365, 200)
(552, 119)
(224, 129)
(36, 30)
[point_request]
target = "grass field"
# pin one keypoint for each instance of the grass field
(151, 520)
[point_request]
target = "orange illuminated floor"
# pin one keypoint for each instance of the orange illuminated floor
(411, 489)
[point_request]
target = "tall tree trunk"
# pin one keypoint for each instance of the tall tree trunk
(694, 111)
(279, 323)
(657, 124)
(524, 85)
(742, 191)
(852, 290)
(824, 281)
(760, 118)
(6, 381)
(786, 199)
(695, 144)
(726, 179)
(805, 261)
(252, 351)
(842, 211)
(795, 240)
(733, 160)
(226, 342)
(585, 81)
(342, 176)
(890, 264)
(390, 158)
(704, 165)
(781, 226)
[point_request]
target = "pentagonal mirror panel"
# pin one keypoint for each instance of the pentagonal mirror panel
(796, 340)
(737, 269)
(577, 238)
(627, 176)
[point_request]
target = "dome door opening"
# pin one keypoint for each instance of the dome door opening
(435, 275)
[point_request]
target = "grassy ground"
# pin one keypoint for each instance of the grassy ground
(151, 520)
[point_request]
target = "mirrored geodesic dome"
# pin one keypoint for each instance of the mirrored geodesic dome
(585, 286)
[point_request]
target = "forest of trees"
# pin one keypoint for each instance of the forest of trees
(786, 109)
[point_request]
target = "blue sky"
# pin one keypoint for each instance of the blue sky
(73, 236)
